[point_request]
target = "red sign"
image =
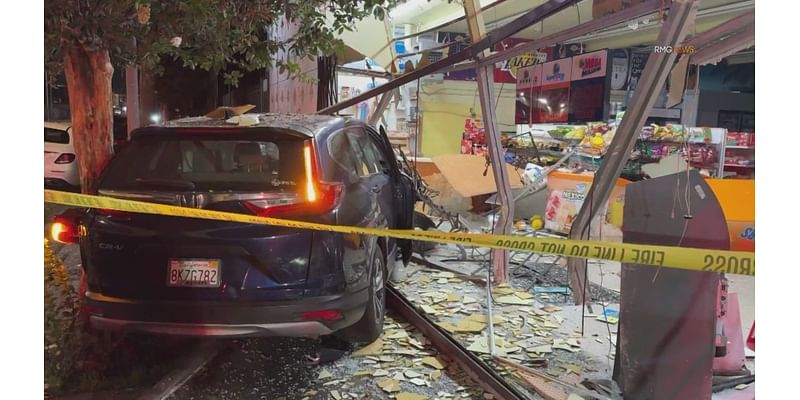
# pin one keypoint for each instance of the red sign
(589, 65)
(507, 71)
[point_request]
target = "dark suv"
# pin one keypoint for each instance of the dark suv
(188, 276)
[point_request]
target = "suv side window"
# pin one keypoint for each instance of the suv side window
(340, 151)
(366, 163)
(377, 155)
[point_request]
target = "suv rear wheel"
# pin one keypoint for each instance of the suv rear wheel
(370, 326)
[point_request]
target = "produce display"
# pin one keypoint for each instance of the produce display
(668, 132)
(596, 139)
(560, 132)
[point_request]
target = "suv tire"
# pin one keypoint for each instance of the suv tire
(370, 326)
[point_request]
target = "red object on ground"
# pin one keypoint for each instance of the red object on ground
(751, 338)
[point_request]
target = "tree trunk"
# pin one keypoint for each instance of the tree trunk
(88, 74)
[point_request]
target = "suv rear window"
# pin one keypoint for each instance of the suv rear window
(179, 162)
(56, 136)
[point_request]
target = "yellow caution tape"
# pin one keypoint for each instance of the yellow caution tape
(732, 262)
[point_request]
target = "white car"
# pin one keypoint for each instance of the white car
(60, 163)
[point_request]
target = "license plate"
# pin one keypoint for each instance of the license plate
(193, 273)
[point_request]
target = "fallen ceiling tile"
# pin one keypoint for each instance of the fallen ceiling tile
(373, 348)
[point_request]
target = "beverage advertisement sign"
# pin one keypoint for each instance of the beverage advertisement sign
(590, 65)
(556, 72)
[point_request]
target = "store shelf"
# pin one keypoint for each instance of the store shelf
(739, 166)
(741, 147)
(675, 141)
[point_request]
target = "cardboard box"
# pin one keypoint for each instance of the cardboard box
(465, 173)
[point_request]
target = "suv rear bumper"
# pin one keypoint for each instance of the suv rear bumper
(231, 319)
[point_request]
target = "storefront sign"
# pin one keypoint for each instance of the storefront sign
(529, 82)
(556, 72)
(590, 65)
(589, 88)
(529, 77)
(506, 71)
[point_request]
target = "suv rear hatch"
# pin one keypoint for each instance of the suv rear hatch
(268, 172)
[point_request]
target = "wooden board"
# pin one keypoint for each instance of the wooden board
(465, 173)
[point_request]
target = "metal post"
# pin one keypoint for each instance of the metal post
(477, 31)
(681, 16)
(377, 113)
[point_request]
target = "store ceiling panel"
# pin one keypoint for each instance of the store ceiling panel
(370, 36)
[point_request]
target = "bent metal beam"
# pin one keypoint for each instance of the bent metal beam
(681, 16)
(597, 24)
(531, 17)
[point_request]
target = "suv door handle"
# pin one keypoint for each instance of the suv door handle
(376, 189)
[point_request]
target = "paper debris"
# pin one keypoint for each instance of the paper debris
(551, 308)
(514, 300)
(467, 325)
(427, 309)
(481, 345)
(545, 348)
(500, 290)
(523, 295)
(453, 298)
(410, 396)
(469, 300)
(324, 374)
(433, 362)
(380, 372)
(362, 373)
(373, 348)
(572, 368)
(435, 375)
(444, 274)
(610, 316)
(412, 374)
(335, 394)
(448, 327)
(389, 385)
(562, 344)
(419, 382)
(483, 318)
(574, 396)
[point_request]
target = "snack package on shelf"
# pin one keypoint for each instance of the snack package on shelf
(744, 139)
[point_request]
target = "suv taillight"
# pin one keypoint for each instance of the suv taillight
(64, 231)
(318, 197)
(65, 158)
